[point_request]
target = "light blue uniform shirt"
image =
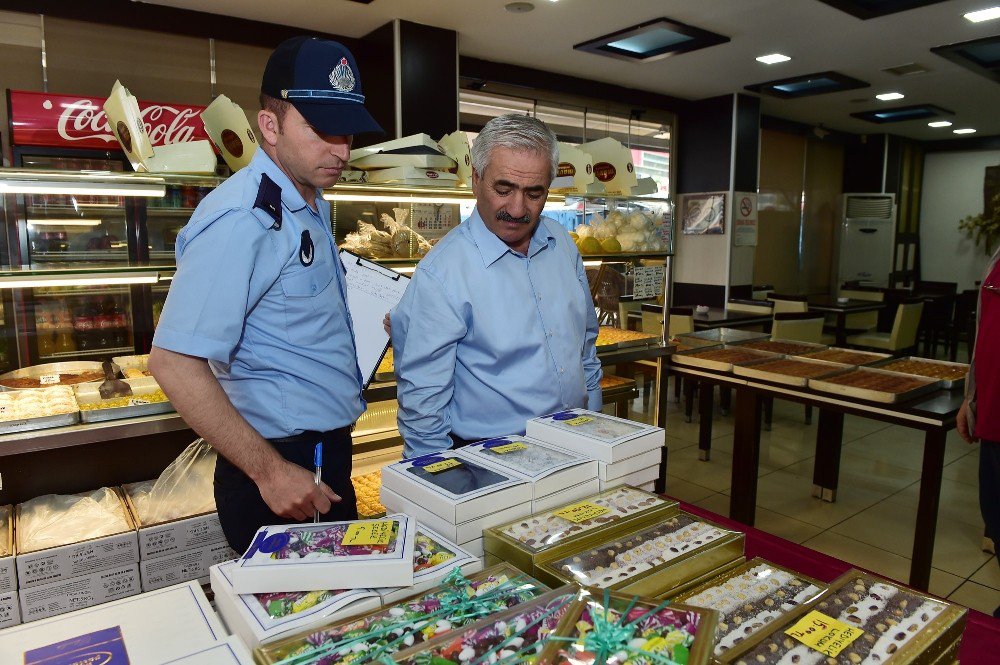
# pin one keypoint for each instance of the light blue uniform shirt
(276, 332)
(485, 338)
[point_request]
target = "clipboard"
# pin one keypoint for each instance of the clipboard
(372, 290)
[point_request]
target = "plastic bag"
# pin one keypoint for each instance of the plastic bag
(184, 488)
(56, 519)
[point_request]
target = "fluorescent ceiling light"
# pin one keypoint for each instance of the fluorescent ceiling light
(939, 123)
(76, 221)
(966, 130)
(36, 281)
(395, 198)
(983, 15)
(79, 188)
(890, 96)
(773, 58)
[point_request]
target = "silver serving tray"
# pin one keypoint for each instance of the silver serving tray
(825, 386)
(691, 358)
(758, 370)
(88, 394)
(809, 345)
(950, 384)
(727, 335)
(35, 371)
(881, 356)
(44, 422)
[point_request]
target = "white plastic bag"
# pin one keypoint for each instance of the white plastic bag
(53, 520)
(184, 488)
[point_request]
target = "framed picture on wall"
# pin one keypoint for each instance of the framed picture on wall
(703, 214)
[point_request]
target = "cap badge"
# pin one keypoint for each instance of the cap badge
(342, 78)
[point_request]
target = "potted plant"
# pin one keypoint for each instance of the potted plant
(984, 229)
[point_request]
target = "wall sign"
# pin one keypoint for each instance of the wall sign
(745, 219)
(703, 214)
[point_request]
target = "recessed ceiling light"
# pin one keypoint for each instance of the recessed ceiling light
(939, 123)
(773, 58)
(967, 130)
(519, 7)
(889, 96)
(984, 15)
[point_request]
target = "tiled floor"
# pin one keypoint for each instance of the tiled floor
(871, 523)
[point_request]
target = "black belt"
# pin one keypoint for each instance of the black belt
(309, 436)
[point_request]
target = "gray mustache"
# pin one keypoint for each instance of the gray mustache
(505, 216)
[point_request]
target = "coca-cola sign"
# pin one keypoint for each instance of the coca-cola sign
(75, 121)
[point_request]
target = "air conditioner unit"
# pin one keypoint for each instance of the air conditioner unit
(866, 238)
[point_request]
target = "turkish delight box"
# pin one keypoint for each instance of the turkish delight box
(547, 468)
(457, 602)
(434, 557)
(663, 558)
(65, 595)
(525, 540)
(453, 487)
(889, 624)
(8, 574)
(462, 533)
(266, 617)
(333, 555)
(751, 598)
(606, 438)
(605, 628)
(516, 635)
(617, 470)
(180, 567)
(180, 534)
(640, 478)
(156, 627)
(61, 562)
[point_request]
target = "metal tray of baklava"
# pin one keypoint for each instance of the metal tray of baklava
(950, 384)
(49, 370)
(759, 370)
(876, 357)
(693, 357)
(788, 347)
(42, 422)
(727, 335)
(871, 394)
(90, 394)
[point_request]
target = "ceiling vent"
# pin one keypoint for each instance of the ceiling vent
(908, 69)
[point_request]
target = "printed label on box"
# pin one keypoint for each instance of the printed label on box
(369, 533)
(508, 448)
(7, 578)
(78, 559)
(823, 633)
(579, 420)
(183, 566)
(98, 648)
(581, 512)
(443, 465)
(39, 602)
(10, 612)
(180, 536)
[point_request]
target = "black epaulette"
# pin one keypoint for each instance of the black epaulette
(269, 200)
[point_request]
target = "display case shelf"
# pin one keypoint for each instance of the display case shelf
(90, 353)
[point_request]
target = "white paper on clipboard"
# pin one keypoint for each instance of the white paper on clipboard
(372, 290)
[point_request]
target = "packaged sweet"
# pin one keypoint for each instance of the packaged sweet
(185, 487)
(456, 603)
(615, 629)
(53, 520)
(434, 557)
(515, 636)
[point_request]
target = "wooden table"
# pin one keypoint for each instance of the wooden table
(718, 317)
(933, 414)
(831, 305)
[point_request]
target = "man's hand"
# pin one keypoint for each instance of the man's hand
(386, 326)
(962, 422)
(290, 492)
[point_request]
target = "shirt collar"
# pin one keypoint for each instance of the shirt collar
(290, 196)
(491, 248)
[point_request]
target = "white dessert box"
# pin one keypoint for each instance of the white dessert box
(183, 566)
(411, 141)
(614, 173)
(619, 470)
(76, 559)
(177, 535)
(547, 468)
(226, 124)
(430, 480)
(246, 615)
(156, 627)
(413, 175)
(8, 574)
(576, 170)
(431, 573)
(643, 479)
(275, 562)
(584, 489)
(606, 438)
(10, 609)
(386, 160)
(456, 145)
(229, 652)
(65, 595)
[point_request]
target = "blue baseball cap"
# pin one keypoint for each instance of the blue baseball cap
(321, 80)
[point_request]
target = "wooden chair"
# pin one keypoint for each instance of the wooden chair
(796, 327)
(903, 336)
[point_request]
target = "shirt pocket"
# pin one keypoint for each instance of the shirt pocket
(307, 301)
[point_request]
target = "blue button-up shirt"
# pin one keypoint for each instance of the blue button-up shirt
(276, 332)
(485, 338)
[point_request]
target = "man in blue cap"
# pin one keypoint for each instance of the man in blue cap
(255, 346)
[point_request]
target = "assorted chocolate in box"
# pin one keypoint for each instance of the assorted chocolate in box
(524, 541)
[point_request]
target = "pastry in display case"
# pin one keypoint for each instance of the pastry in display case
(720, 358)
(610, 337)
(37, 408)
(951, 375)
(875, 385)
(790, 371)
(783, 346)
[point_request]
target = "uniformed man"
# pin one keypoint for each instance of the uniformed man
(255, 346)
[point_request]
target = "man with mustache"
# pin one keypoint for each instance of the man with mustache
(497, 325)
(255, 346)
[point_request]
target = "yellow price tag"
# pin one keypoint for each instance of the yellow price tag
(579, 420)
(369, 533)
(823, 633)
(508, 448)
(444, 465)
(581, 512)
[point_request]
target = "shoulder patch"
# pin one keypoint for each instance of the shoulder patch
(269, 200)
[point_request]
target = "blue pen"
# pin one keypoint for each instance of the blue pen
(318, 461)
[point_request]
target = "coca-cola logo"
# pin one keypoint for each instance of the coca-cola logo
(83, 120)
(566, 169)
(604, 171)
(232, 142)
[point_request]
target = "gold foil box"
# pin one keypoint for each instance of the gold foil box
(524, 541)
(902, 626)
(653, 560)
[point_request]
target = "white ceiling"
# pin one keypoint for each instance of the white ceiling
(816, 36)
